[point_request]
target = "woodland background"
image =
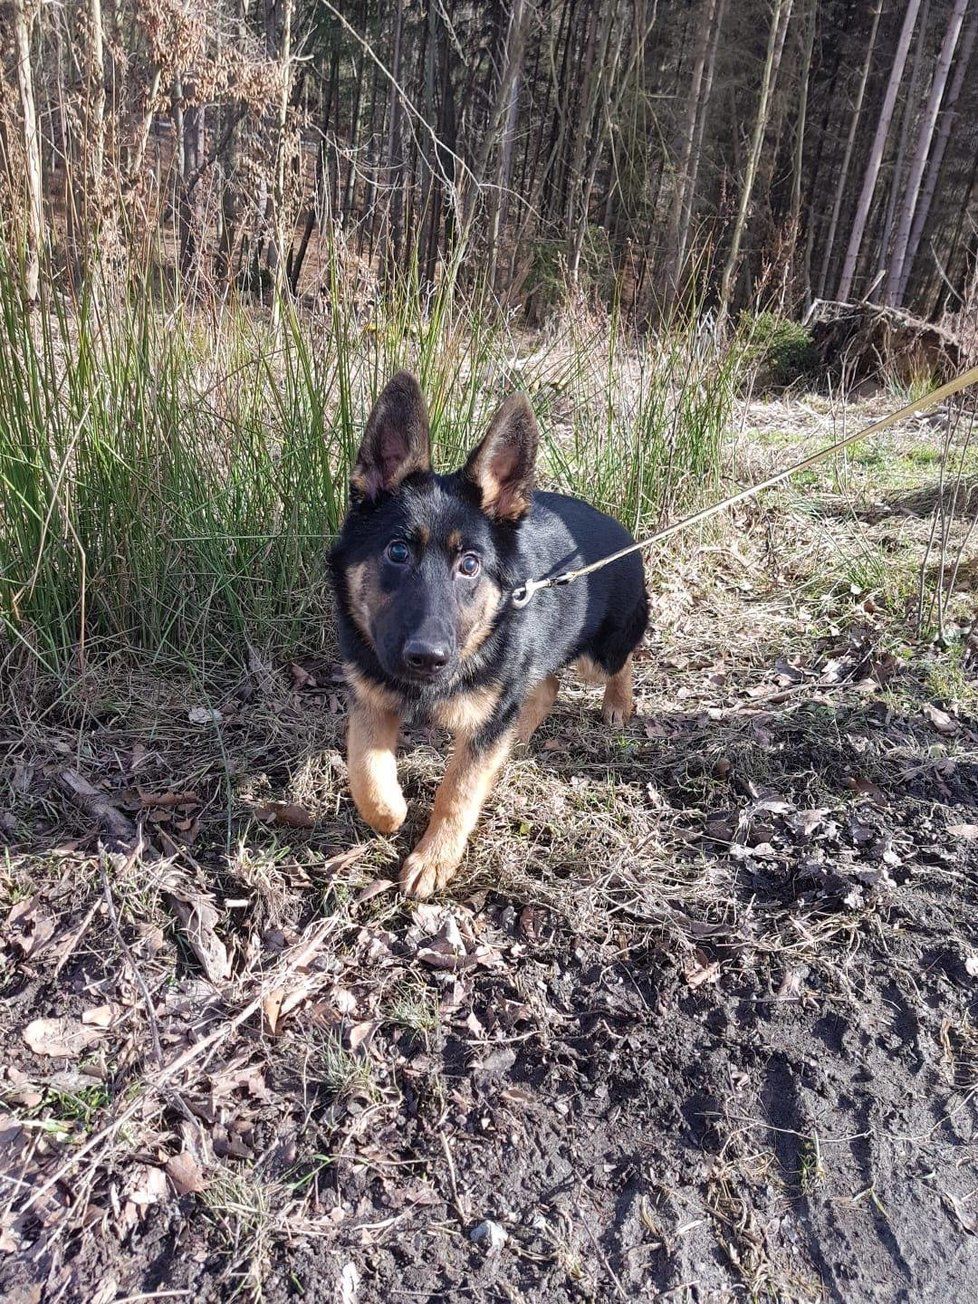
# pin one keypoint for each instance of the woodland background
(700, 154)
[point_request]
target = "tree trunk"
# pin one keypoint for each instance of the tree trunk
(510, 99)
(593, 137)
(876, 151)
(842, 184)
(280, 210)
(896, 279)
(138, 155)
(940, 147)
(799, 150)
(779, 28)
(679, 207)
(909, 118)
(34, 228)
(232, 200)
(504, 104)
(697, 154)
(395, 160)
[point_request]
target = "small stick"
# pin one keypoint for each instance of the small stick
(130, 959)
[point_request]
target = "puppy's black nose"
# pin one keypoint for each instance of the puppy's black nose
(425, 658)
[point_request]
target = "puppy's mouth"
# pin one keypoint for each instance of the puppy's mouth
(425, 677)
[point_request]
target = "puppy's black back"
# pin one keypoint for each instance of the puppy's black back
(601, 616)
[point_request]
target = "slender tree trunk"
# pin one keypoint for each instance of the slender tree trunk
(702, 114)
(232, 200)
(280, 205)
(604, 82)
(843, 181)
(34, 232)
(708, 15)
(798, 161)
(95, 124)
(346, 206)
(940, 146)
(508, 99)
(779, 27)
(876, 151)
(138, 156)
(896, 279)
(86, 225)
(964, 209)
(909, 118)
(395, 158)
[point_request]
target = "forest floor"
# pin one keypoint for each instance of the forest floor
(698, 1020)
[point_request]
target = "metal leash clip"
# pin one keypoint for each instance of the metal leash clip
(524, 592)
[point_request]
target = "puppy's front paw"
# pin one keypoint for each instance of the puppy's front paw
(618, 704)
(615, 715)
(428, 869)
(384, 816)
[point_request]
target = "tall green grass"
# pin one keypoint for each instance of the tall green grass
(170, 475)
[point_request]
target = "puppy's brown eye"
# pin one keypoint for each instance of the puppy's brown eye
(398, 552)
(469, 565)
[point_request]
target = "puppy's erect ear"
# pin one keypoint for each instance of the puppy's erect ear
(396, 440)
(502, 465)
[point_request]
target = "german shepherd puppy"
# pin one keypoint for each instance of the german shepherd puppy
(423, 573)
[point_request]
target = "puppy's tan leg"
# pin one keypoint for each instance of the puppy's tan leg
(469, 775)
(371, 740)
(619, 699)
(536, 708)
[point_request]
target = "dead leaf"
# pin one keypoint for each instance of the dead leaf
(361, 1034)
(373, 889)
(101, 1016)
(703, 971)
(287, 813)
(272, 1007)
(344, 1001)
(942, 722)
(106, 1291)
(966, 1220)
(349, 1284)
(302, 678)
(204, 715)
(64, 1037)
(497, 1062)
(866, 788)
(805, 822)
(27, 929)
(146, 1186)
(185, 1173)
(791, 984)
(197, 916)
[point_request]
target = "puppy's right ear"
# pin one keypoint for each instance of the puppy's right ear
(396, 441)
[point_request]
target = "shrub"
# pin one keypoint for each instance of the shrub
(781, 352)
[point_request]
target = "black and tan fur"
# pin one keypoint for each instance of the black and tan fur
(423, 571)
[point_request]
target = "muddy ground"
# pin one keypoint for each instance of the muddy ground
(697, 1021)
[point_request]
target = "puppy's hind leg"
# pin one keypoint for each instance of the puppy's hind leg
(619, 697)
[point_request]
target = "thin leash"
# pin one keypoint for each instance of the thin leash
(522, 594)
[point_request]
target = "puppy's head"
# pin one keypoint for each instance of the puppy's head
(421, 563)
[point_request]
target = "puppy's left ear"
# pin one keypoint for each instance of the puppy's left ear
(501, 466)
